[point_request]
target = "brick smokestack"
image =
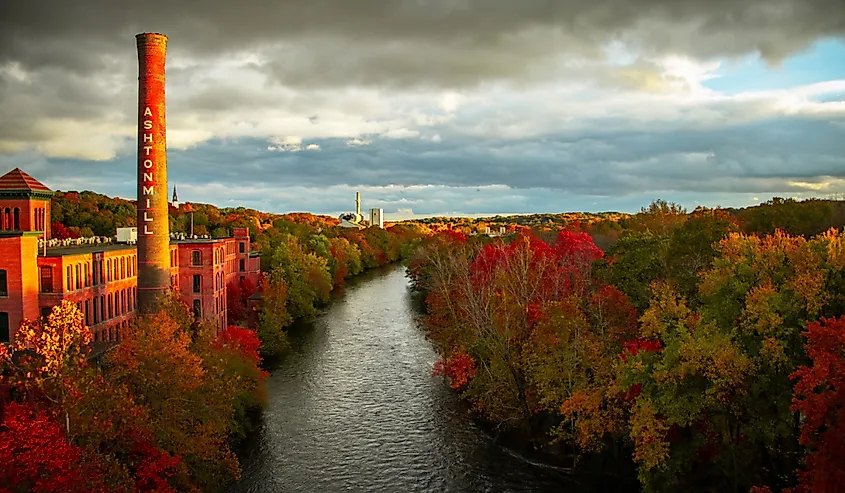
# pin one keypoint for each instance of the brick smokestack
(153, 223)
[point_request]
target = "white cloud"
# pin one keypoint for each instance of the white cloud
(290, 143)
(400, 133)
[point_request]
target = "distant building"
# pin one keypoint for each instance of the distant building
(353, 220)
(101, 278)
(377, 218)
(175, 202)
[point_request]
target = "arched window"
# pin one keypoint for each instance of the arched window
(123, 267)
(196, 257)
(17, 219)
(7, 218)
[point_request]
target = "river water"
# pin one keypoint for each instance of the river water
(354, 407)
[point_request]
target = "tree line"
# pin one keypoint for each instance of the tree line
(708, 358)
(303, 261)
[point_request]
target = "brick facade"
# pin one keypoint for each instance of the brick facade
(203, 267)
(102, 280)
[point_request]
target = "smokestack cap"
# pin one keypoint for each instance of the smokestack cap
(150, 39)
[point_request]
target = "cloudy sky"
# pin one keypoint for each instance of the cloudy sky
(436, 106)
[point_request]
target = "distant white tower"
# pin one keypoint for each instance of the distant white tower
(358, 204)
(353, 220)
(175, 201)
(377, 218)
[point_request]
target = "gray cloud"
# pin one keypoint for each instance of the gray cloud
(442, 42)
(786, 156)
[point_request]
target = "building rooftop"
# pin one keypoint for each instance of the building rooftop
(85, 249)
(17, 180)
(107, 247)
(198, 240)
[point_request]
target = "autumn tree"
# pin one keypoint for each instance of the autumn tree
(238, 292)
(820, 398)
(47, 353)
(189, 412)
(273, 316)
(36, 457)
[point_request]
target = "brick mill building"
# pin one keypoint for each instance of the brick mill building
(101, 279)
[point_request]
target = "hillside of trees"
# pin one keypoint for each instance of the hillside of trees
(76, 214)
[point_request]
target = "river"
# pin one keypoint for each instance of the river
(354, 407)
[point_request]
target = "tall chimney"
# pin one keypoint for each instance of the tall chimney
(358, 203)
(153, 223)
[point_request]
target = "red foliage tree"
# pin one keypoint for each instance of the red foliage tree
(820, 396)
(241, 339)
(154, 467)
(237, 294)
(459, 367)
(452, 235)
(36, 457)
(60, 232)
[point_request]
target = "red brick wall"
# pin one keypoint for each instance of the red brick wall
(212, 272)
(17, 258)
(26, 214)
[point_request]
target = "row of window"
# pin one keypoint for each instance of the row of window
(196, 256)
(10, 219)
(196, 287)
(111, 333)
(107, 306)
(77, 276)
(101, 271)
(97, 310)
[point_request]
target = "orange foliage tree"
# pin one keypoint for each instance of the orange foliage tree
(189, 411)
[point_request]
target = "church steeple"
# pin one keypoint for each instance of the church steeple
(175, 201)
